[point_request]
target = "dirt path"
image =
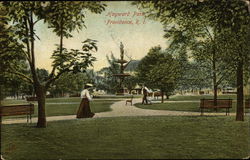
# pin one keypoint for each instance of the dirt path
(120, 109)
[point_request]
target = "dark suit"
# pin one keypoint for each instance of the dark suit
(145, 94)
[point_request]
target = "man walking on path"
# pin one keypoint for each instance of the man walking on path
(145, 92)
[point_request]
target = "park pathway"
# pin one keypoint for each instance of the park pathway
(120, 109)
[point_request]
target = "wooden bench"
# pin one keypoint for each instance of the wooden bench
(247, 104)
(13, 110)
(221, 103)
(130, 100)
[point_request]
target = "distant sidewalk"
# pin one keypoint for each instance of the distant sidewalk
(120, 109)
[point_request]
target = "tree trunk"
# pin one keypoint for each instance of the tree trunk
(162, 97)
(61, 42)
(1, 95)
(215, 94)
(215, 85)
(39, 89)
(41, 95)
(167, 96)
(240, 94)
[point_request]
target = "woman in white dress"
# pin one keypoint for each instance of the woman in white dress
(84, 108)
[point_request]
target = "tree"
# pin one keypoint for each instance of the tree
(63, 18)
(108, 81)
(208, 53)
(159, 70)
(130, 82)
(229, 22)
(77, 81)
(196, 36)
(198, 76)
(9, 56)
(184, 69)
(233, 25)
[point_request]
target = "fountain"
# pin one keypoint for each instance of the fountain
(123, 63)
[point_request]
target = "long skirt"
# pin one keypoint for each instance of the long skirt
(84, 109)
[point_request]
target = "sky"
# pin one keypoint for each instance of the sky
(137, 38)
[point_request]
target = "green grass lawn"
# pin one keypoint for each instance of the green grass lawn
(154, 137)
(65, 106)
(57, 100)
(193, 104)
(181, 106)
(118, 96)
(198, 97)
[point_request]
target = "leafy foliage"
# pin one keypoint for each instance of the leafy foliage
(62, 85)
(130, 82)
(63, 18)
(11, 57)
(207, 28)
(74, 60)
(107, 81)
(228, 21)
(159, 70)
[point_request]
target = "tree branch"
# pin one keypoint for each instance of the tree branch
(222, 78)
(27, 57)
(27, 42)
(22, 76)
(32, 47)
(52, 79)
(209, 34)
(32, 39)
(52, 73)
(36, 21)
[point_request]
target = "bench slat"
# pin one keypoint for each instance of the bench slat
(220, 103)
(15, 113)
(17, 110)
